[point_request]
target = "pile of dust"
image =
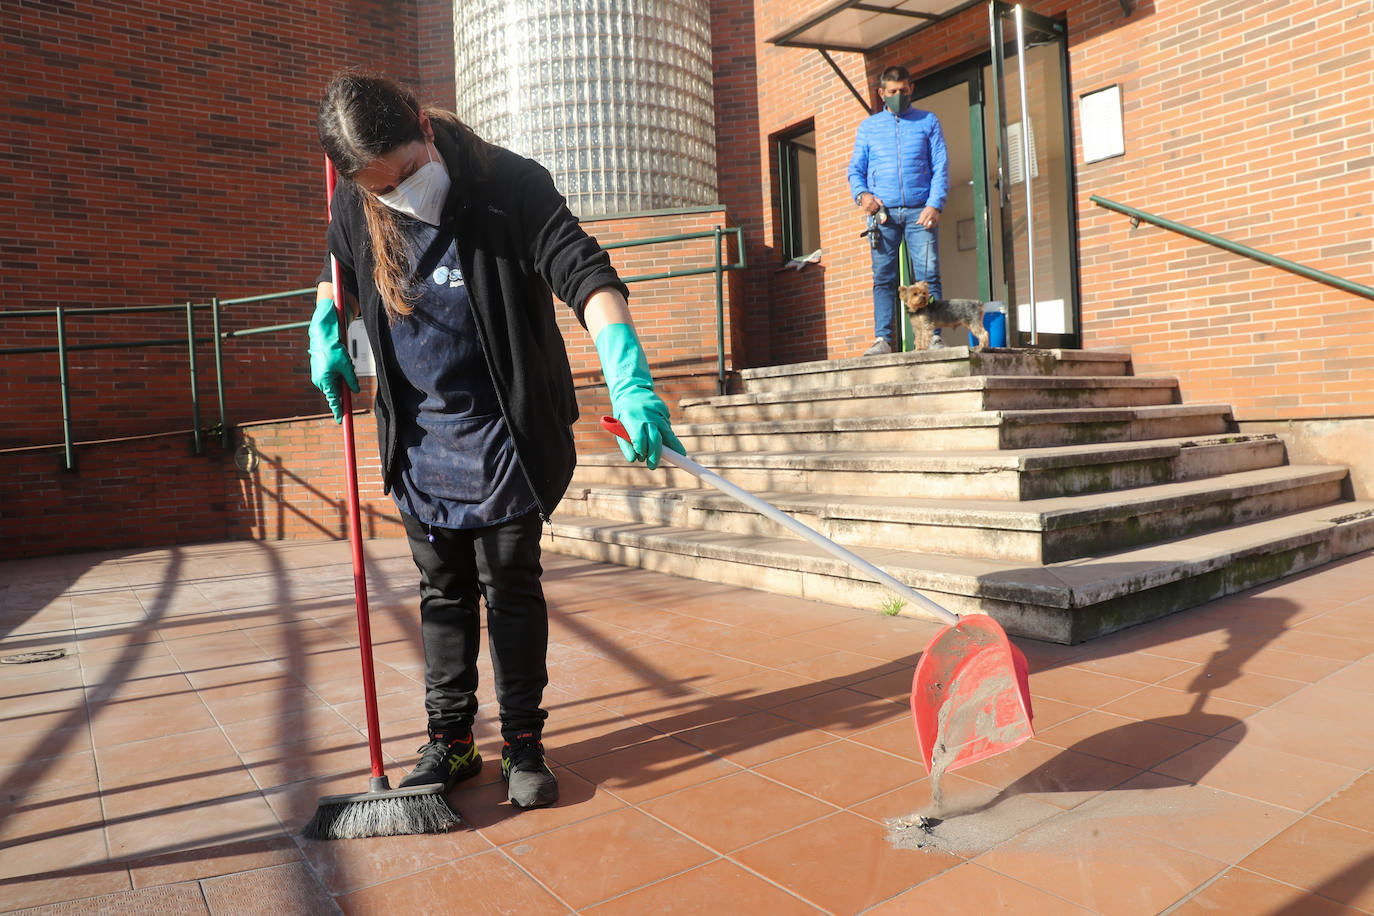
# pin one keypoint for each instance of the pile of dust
(971, 828)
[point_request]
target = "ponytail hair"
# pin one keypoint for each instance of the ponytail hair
(366, 115)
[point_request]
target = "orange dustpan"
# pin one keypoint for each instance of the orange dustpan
(970, 696)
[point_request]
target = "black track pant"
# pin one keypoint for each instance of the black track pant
(501, 564)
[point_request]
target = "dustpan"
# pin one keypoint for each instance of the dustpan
(970, 694)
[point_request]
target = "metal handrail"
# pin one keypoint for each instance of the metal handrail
(717, 234)
(1138, 216)
(63, 313)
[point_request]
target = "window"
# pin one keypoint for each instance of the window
(798, 196)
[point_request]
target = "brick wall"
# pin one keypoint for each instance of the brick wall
(131, 493)
(151, 491)
(153, 154)
(741, 165)
(1254, 122)
(434, 39)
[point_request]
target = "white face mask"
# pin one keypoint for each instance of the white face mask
(422, 194)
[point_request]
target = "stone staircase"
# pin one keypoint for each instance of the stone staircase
(1049, 488)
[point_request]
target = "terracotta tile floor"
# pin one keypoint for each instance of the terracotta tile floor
(719, 750)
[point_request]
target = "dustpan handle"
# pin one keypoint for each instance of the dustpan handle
(791, 524)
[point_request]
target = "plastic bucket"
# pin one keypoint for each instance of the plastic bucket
(995, 323)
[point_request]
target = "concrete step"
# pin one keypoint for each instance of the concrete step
(1035, 531)
(978, 430)
(1062, 602)
(974, 393)
(930, 364)
(1011, 474)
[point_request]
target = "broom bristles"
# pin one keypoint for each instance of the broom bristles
(384, 816)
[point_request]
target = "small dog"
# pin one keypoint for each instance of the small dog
(927, 314)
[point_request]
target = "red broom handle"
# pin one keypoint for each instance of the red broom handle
(355, 526)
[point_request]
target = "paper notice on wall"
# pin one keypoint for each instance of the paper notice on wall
(1099, 113)
(1051, 317)
(360, 350)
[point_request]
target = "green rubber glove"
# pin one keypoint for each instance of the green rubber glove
(633, 401)
(329, 362)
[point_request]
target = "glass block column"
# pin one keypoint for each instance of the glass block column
(612, 96)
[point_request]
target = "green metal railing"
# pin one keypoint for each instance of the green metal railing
(719, 269)
(1311, 273)
(190, 341)
(216, 305)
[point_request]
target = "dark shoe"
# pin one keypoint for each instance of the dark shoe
(532, 783)
(879, 348)
(445, 761)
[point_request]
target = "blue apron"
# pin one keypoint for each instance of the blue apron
(458, 467)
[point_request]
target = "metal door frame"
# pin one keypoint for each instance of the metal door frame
(998, 12)
(971, 73)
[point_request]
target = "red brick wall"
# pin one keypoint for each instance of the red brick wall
(741, 167)
(434, 37)
(299, 488)
(1254, 122)
(152, 154)
(151, 491)
(133, 493)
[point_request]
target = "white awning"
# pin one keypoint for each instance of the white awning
(864, 25)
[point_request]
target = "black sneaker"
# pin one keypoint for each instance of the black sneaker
(446, 761)
(532, 783)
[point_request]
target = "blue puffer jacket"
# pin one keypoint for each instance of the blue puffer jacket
(901, 159)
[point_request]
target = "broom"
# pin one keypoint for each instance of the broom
(381, 810)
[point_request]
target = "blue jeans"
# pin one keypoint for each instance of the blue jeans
(922, 245)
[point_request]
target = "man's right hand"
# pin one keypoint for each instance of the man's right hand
(869, 203)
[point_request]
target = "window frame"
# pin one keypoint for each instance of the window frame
(791, 232)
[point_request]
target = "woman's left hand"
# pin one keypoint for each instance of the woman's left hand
(633, 399)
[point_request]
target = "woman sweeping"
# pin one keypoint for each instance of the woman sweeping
(452, 249)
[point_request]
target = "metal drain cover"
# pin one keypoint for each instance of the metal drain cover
(25, 658)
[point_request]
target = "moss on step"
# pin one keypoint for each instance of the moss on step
(1128, 610)
(1241, 573)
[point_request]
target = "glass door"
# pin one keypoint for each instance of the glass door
(1009, 229)
(956, 97)
(1030, 172)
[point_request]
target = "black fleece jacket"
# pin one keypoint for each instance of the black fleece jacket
(519, 246)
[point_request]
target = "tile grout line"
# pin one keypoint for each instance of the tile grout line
(532, 877)
(299, 840)
(699, 842)
(99, 781)
(720, 855)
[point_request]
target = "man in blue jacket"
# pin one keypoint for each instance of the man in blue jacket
(899, 176)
